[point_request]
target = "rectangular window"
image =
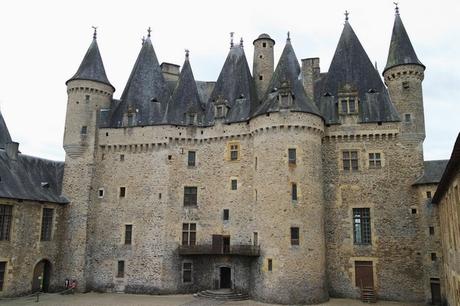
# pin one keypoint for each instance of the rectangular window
(191, 158)
(292, 156)
(122, 192)
(407, 117)
(428, 194)
(234, 151)
(350, 160)
(294, 192)
(405, 84)
(128, 233)
(190, 196)
(348, 105)
(351, 105)
(47, 224)
(362, 226)
(122, 157)
(375, 161)
(255, 240)
(187, 272)
(270, 264)
(2, 274)
(87, 98)
(431, 230)
(84, 130)
(294, 236)
(188, 233)
(344, 106)
(100, 193)
(234, 184)
(433, 257)
(6, 214)
(226, 215)
(121, 269)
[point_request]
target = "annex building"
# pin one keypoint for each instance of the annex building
(287, 183)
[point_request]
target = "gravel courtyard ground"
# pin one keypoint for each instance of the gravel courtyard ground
(114, 299)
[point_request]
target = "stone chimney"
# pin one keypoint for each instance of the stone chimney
(170, 71)
(310, 73)
(11, 149)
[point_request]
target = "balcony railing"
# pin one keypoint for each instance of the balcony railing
(208, 249)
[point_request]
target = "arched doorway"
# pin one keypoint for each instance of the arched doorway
(42, 275)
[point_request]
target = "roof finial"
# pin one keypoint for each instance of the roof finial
(346, 15)
(95, 32)
(396, 7)
(231, 39)
(288, 36)
(241, 42)
(149, 30)
(187, 53)
(143, 39)
(376, 68)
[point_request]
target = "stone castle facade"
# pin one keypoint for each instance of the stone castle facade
(290, 184)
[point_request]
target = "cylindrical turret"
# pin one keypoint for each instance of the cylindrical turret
(290, 217)
(263, 63)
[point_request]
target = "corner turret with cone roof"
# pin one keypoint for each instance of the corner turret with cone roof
(403, 74)
(89, 91)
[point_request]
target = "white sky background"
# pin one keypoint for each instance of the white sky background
(43, 43)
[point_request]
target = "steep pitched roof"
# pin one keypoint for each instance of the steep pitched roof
(287, 70)
(432, 172)
(401, 50)
(235, 84)
(185, 98)
(4, 133)
(92, 67)
(145, 86)
(452, 170)
(351, 68)
(31, 178)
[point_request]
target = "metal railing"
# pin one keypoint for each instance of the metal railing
(208, 249)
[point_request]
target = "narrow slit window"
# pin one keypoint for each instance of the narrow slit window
(191, 158)
(294, 236)
(122, 192)
(294, 192)
(128, 233)
(234, 184)
(47, 224)
(226, 215)
(270, 264)
(121, 269)
(6, 214)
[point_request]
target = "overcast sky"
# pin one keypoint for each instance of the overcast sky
(43, 43)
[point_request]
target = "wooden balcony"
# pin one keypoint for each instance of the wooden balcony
(208, 249)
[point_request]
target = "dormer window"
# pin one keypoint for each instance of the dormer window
(220, 108)
(219, 111)
(191, 118)
(130, 120)
(348, 105)
(285, 95)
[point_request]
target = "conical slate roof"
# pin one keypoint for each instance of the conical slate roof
(92, 67)
(146, 93)
(401, 50)
(351, 70)
(236, 85)
(185, 98)
(4, 133)
(287, 72)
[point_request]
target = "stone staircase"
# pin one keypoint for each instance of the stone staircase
(368, 295)
(222, 295)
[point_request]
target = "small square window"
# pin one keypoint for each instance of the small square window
(261, 77)
(100, 193)
(375, 161)
(234, 184)
(84, 130)
(264, 45)
(431, 229)
(191, 158)
(405, 84)
(413, 211)
(121, 269)
(226, 215)
(407, 117)
(122, 157)
(433, 257)
(292, 153)
(294, 236)
(87, 97)
(270, 264)
(122, 192)
(428, 194)
(169, 157)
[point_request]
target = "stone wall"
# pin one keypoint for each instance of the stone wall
(24, 249)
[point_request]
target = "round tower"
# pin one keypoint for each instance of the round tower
(263, 63)
(88, 92)
(403, 75)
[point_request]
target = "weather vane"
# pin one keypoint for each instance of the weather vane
(288, 36)
(396, 7)
(187, 52)
(231, 39)
(241, 41)
(149, 30)
(143, 39)
(95, 32)
(346, 15)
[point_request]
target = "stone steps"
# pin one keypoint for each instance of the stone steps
(368, 295)
(223, 295)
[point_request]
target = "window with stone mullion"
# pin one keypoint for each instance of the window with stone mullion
(5, 221)
(188, 233)
(361, 226)
(47, 223)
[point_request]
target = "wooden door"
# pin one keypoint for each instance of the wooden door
(364, 274)
(435, 291)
